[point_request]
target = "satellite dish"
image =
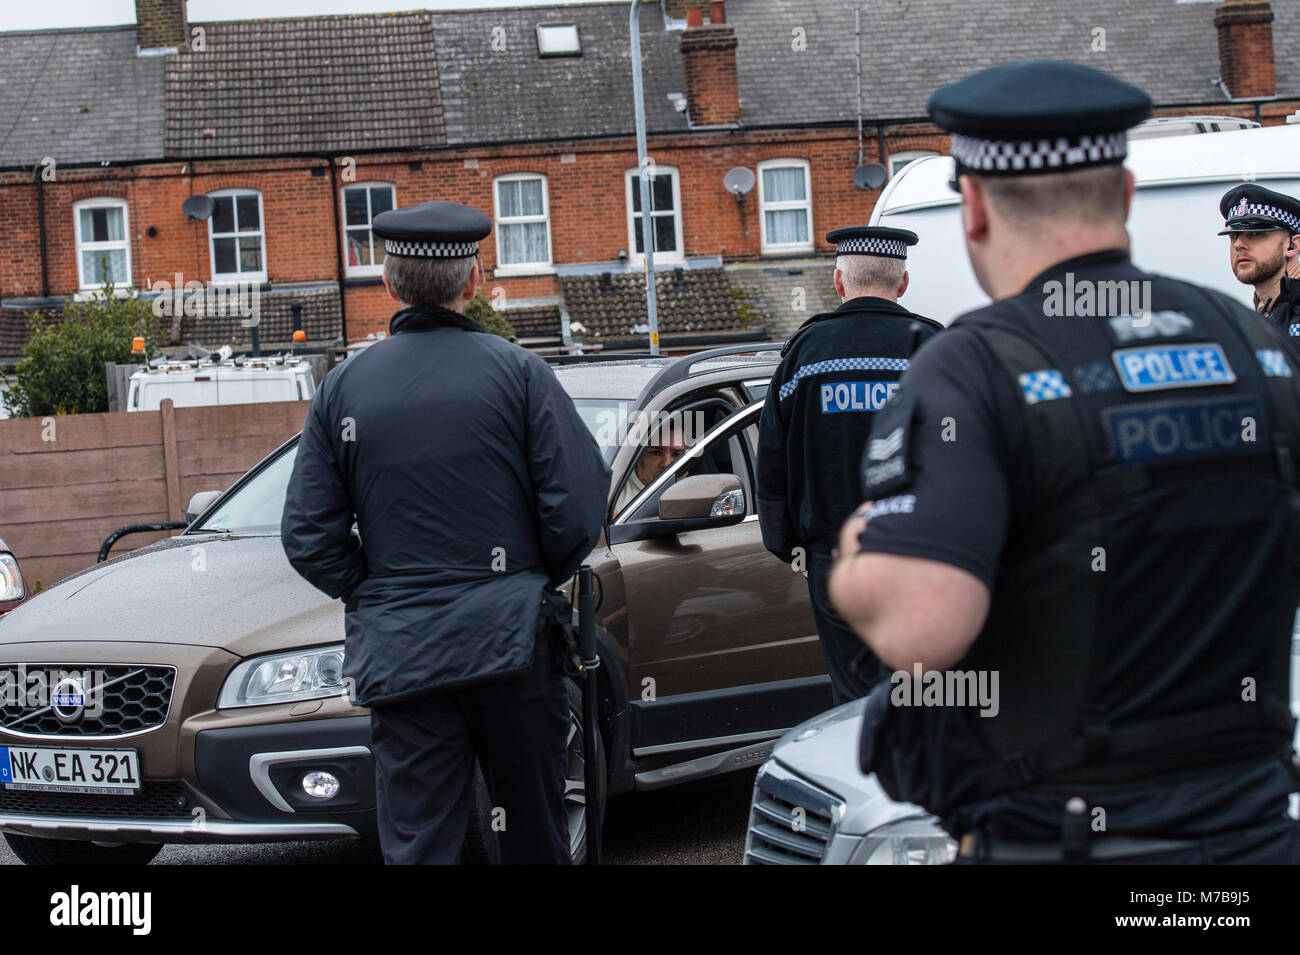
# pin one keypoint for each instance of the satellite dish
(739, 181)
(198, 207)
(870, 175)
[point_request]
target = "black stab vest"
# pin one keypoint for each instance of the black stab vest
(1142, 614)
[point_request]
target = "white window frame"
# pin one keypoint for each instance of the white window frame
(523, 268)
(360, 271)
(764, 206)
(899, 159)
(632, 180)
(102, 202)
(220, 277)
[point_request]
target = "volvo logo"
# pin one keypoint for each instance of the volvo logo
(69, 700)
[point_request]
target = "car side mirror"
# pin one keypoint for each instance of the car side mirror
(199, 503)
(703, 500)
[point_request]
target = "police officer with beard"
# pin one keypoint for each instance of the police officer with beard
(1096, 507)
(1264, 250)
(476, 490)
(836, 371)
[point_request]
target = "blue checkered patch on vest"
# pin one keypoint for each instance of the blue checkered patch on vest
(1294, 329)
(842, 364)
(1098, 377)
(1274, 363)
(1046, 385)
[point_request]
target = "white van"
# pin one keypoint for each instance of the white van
(1172, 225)
(195, 383)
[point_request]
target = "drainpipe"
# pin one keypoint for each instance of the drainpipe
(40, 227)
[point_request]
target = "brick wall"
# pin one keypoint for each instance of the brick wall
(1246, 61)
(160, 23)
(587, 192)
(712, 88)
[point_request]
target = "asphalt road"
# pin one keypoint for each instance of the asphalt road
(699, 823)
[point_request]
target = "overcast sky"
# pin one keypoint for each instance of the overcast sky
(100, 13)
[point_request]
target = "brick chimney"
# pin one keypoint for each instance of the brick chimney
(1246, 48)
(161, 23)
(709, 54)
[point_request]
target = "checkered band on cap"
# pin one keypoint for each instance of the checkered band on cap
(445, 250)
(889, 248)
(1037, 155)
(1270, 212)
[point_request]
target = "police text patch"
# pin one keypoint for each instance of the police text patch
(844, 396)
(1162, 367)
(1170, 430)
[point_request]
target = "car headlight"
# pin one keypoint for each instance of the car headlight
(11, 582)
(285, 678)
(915, 841)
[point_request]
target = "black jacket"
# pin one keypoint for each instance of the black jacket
(1284, 310)
(473, 481)
(835, 372)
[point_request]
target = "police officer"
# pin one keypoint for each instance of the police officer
(1088, 507)
(476, 489)
(1264, 250)
(836, 371)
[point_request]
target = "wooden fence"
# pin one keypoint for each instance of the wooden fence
(67, 482)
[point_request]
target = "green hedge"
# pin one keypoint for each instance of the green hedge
(62, 368)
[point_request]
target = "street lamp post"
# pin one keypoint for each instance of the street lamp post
(644, 166)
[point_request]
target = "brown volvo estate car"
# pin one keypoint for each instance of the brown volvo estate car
(192, 691)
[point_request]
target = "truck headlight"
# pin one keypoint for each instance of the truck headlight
(11, 582)
(285, 678)
(915, 841)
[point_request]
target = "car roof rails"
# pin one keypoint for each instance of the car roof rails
(681, 368)
(597, 356)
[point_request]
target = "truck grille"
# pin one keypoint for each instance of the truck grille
(122, 699)
(162, 799)
(791, 821)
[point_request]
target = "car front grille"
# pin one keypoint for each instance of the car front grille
(123, 699)
(791, 821)
(161, 799)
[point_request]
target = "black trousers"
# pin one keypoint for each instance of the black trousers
(1271, 843)
(853, 668)
(424, 751)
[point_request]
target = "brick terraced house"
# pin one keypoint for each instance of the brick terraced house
(299, 131)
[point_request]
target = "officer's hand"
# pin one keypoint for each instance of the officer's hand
(849, 534)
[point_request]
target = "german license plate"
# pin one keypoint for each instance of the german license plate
(114, 771)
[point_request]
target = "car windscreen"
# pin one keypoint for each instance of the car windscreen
(257, 506)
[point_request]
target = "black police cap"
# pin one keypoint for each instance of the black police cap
(872, 240)
(432, 229)
(1252, 208)
(1037, 116)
